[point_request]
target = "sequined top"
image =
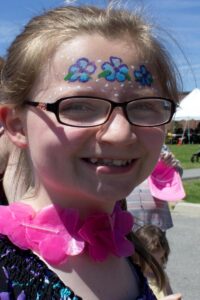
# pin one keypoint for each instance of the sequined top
(23, 276)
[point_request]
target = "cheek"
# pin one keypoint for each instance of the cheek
(152, 139)
(45, 134)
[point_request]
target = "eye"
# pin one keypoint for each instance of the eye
(150, 105)
(70, 107)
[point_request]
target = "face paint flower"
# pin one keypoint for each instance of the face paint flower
(115, 70)
(80, 71)
(143, 76)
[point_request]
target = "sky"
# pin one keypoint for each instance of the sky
(179, 18)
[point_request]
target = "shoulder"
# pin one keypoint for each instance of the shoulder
(23, 274)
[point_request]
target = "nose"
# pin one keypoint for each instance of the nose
(117, 129)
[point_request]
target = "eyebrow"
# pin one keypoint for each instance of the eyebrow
(84, 91)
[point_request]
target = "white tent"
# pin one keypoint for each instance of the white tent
(189, 107)
(188, 110)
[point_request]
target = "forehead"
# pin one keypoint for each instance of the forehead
(96, 46)
(94, 56)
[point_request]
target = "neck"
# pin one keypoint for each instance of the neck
(84, 204)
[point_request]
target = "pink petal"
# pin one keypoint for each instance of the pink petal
(49, 215)
(46, 223)
(53, 250)
(21, 211)
(34, 236)
(74, 247)
(70, 219)
(99, 252)
(93, 225)
(18, 237)
(124, 222)
(124, 247)
(5, 219)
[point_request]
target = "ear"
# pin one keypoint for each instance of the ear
(13, 123)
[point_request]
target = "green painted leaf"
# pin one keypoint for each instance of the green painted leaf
(104, 74)
(128, 77)
(68, 76)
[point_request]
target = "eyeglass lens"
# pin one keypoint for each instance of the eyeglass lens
(92, 111)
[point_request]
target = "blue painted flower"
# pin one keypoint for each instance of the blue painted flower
(115, 70)
(80, 71)
(143, 76)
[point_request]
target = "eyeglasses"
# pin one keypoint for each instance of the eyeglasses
(87, 111)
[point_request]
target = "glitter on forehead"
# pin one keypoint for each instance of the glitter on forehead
(116, 95)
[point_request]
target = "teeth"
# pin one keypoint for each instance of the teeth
(110, 162)
(93, 160)
(119, 162)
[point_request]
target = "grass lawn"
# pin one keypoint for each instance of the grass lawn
(192, 189)
(184, 153)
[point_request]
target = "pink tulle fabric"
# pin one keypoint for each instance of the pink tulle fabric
(56, 233)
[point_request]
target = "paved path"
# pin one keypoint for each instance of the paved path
(184, 261)
(191, 174)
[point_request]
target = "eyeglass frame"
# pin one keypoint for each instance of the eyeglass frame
(54, 108)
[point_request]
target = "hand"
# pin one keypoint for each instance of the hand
(177, 296)
(169, 159)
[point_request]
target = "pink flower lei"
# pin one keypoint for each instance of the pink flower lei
(55, 230)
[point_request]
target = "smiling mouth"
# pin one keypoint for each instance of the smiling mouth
(109, 162)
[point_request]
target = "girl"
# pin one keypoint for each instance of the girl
(154, 239)
(86, 94)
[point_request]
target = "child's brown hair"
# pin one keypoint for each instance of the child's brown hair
(153, 239)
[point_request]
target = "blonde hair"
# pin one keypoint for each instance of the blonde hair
(44, 33)
(13, 165)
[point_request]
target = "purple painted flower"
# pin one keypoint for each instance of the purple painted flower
(80, 71)
(143, 76)
(115, 70)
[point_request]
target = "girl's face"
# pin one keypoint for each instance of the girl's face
(92, 167)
